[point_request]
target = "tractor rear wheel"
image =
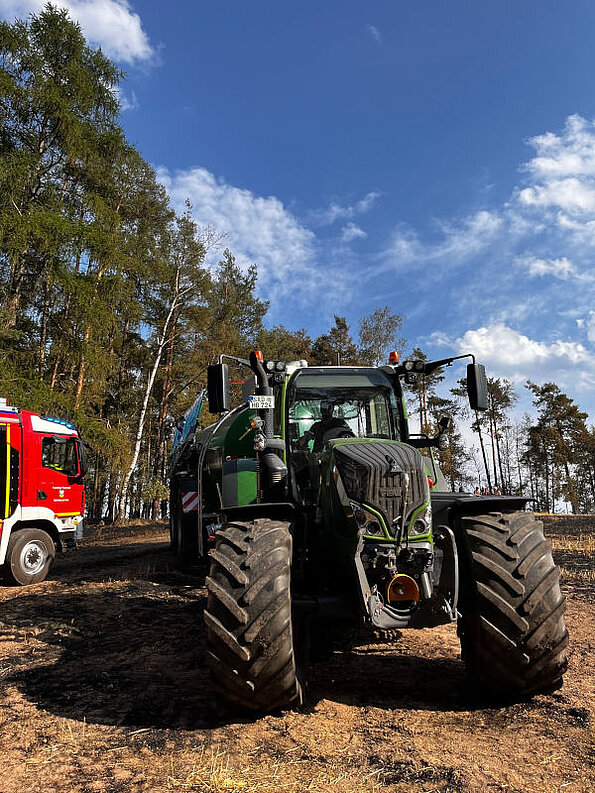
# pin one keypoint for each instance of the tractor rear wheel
(511, 627)
(248, 616)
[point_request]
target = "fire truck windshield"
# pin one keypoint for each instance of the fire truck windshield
(60, 455)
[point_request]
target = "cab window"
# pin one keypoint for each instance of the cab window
(59, 454)
(356, 403)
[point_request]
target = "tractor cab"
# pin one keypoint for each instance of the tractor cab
(326, 404)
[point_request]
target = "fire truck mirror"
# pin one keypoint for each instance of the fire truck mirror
(82, 460)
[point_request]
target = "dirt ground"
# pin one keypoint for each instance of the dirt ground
(105, 689)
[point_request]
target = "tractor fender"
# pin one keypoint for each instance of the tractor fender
(281, 510)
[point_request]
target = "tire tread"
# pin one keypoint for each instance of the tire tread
(248, 616)
(512, 611)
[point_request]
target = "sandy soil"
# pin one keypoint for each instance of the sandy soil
(105, 689)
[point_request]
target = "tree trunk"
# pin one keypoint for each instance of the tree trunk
(483, 451)
(159, 469)
(44, 323)
(95, 510)
(148, 390)
(492, 419)
(12, 302)
(547, 478)
(80, 380)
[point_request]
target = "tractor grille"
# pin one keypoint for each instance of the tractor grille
(365, 469)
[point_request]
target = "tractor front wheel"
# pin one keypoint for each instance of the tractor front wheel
(511, 627)
(248, 617)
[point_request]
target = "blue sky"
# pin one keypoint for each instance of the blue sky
(435, 157)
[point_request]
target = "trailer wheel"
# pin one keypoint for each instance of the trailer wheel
(511, 627)
(248, 617)
(29, 556)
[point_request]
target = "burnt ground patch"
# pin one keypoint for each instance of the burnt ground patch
(105, 688)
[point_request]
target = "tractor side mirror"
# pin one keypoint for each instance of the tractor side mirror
(218, 388)
(477, 386)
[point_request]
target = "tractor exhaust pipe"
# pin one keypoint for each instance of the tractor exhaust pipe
(270, 462)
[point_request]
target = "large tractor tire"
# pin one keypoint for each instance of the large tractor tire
(248, 617)
(29, 556)
(511, 627)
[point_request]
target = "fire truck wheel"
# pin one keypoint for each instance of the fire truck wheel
(29, 556)
(512, 611)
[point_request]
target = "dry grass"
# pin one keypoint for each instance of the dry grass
(583, 577)
(584, 543)
(575, 555)
(214, 772)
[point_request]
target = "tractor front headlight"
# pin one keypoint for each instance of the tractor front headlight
(422, 523)
(369, 523)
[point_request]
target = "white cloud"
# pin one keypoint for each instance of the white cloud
(470, 236)
(555, 205)
(569, 154)
(112, 24)
(458, 242)
(375, 33)
(258, 230)
(562, 173)
(351, 232)
(336, 211)
(508, 353)
(560, 268)
(570, 195)
(590, 326)
(127, 101)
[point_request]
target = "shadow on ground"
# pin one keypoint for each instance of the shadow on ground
(134, 654)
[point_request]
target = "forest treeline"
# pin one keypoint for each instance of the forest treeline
(109, 315)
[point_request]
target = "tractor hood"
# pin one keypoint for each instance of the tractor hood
(384, 474)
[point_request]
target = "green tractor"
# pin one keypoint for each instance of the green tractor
(317, 508)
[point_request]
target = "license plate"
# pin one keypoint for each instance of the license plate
(261, 401)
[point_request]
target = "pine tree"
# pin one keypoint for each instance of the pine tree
(453, 460)
(423, 391)
(57, 105)
(378, 335)
(558, 433)
(336, 348)
(281, 344)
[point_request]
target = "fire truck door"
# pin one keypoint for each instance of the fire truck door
(59, 470)
(9, 468)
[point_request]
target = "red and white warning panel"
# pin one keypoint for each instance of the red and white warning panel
(190, 501)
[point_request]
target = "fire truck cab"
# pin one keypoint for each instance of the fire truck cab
(42, 496)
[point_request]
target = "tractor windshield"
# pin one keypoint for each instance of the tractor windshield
(324, 404)
(358, 403)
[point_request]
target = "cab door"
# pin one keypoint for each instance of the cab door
(59, 475)
(10, 443)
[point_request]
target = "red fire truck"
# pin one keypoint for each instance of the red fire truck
(42, 497)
